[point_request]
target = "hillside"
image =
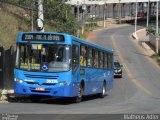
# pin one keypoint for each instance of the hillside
(13, 20)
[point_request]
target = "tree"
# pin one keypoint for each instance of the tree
(58, 14)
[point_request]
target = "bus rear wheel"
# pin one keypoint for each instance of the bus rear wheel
(103, 93)
(35, 99)
(78, 98)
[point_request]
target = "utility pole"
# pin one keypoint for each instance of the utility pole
(40, 20)
(83, 17)
(32, 29)
(120, 12)
(157, 28)
(148, 13)
(136, 20)
(78, 11)
(104, 16)
(78, 32)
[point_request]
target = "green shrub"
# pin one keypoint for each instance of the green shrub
(151, 30)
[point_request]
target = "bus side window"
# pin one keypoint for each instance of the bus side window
(95, 58)
(75, 58)
(100, 59)
(83, 56)
(110, 60)
(105, 61)
(90, 57)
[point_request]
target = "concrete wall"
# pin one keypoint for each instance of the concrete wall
(152, 40)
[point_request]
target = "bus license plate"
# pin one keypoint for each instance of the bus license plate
(40, 89)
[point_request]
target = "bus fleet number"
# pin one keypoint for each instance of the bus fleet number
(52, 81)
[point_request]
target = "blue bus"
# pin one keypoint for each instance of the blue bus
(61, 65)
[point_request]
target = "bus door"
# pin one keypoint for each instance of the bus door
(75, 62)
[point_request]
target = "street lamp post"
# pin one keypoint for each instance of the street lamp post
(119, 12)
(83, 19)
(157, 28)
(136, 20)
(148, 12)
(40, 20)
(104, 16)
(78, 11)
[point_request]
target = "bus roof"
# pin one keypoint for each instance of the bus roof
(91, 44)
(20, 34)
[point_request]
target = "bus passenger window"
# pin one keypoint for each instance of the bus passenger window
(100, 59)
(110, 61)
(75, 58)
(95, 59)
(106, 61)
(83, 56)
(89, 58)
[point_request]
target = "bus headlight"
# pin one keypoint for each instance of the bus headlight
(18, 80)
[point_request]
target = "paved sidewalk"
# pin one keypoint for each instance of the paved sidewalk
(141, 35)
(144, 39)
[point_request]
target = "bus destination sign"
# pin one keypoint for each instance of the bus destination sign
(42, 37)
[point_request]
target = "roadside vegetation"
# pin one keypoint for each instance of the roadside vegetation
(156, 58)
(58, 17)
(151, 30)
(90, 25)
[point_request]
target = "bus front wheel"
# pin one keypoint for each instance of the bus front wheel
(78, 98)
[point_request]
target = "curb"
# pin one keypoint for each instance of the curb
(4, 96)
(4, 102)
(134, 36)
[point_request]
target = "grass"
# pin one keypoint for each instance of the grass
(10, 26)
(88, 27)
(12, 21)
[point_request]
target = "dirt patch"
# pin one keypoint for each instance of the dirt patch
(90, 36)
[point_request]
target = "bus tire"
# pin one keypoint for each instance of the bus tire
(78, 98)
(103, 93)
(35, 99)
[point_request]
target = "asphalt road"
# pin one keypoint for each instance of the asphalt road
(136, 92)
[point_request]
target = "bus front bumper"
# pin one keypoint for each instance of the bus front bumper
(68, 90)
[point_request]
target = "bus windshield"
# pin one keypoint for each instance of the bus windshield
(43, 57)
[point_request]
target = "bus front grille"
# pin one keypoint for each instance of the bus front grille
(50, 84)
(40, 76)
(40, 91)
